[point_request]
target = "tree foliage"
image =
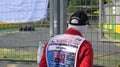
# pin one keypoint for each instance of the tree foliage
(75, 5)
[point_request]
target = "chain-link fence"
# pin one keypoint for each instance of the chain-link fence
(103, 33)
(109, 33)
(20, 45)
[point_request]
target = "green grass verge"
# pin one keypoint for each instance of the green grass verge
(17, 25)
(15, 54)
(107, 61)
(112, 34)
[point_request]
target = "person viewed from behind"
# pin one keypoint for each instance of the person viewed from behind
(70, 49)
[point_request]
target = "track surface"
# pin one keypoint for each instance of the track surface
(32, 38)
(24, 38)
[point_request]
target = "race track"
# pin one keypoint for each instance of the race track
(24, 38)
(28, 39)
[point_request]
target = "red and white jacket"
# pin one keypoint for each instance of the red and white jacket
(84, 56)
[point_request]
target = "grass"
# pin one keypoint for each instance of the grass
(4, 26)
(15, 54)
(107, 61)
(113, 35)
(108, 32)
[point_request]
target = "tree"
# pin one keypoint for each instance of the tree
(75, 5)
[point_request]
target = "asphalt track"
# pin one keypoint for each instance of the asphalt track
(24, 38)
(31, 39)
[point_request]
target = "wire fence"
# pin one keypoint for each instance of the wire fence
(103, 33)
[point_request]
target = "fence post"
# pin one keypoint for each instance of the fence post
(51, 18)
(63, 5)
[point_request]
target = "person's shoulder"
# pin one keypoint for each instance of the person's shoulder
(57, 35)
(87, 44)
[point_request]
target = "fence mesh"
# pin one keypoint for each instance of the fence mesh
(102, 33)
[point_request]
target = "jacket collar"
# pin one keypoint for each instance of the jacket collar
(73, 32)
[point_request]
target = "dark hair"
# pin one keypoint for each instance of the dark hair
(81, 17)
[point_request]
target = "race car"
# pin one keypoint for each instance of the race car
(26, 28)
